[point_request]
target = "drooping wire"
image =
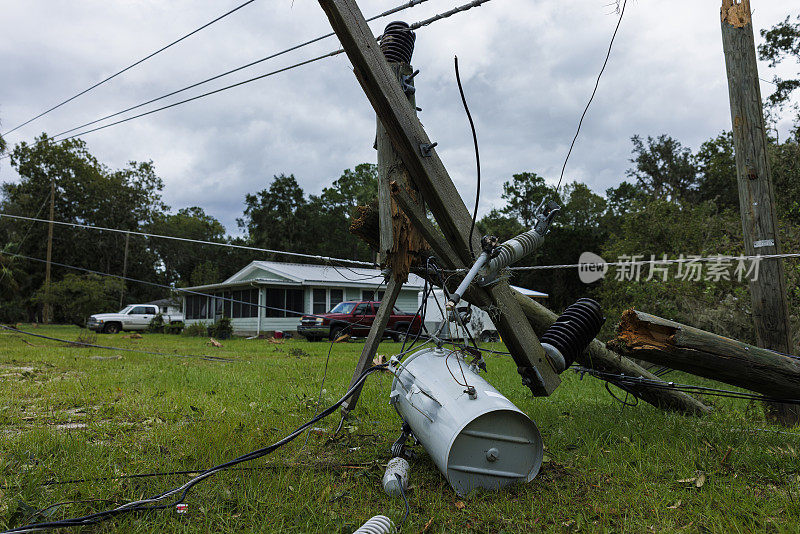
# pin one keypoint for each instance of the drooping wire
(401, 7)
(95, 346)
(146, 505)
(405, 499)
(22, 241)
(477, 156)
(594, 92)
(129, 67)
(197, 241)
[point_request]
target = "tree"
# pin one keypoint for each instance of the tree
(523, 194)
(87, 192)
(75, 297)
(781, 41)
(180, 259)
(271, 216)
(663, 168)
(716, 165)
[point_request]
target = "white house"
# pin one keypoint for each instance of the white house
(269, 295)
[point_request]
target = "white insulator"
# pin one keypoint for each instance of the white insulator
(380, 524)
(396, 467)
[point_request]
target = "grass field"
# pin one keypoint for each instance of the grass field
(78, 413)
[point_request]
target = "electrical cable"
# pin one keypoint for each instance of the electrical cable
(92, 345)
(184, 291)
(594, 92)
(145, 505)
(405, 499)
(414, 26)
(197, 241)
(477, 157)
(204, 26)
(203, 95)
(401, 7)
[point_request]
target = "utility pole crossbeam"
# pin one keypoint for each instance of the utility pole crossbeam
(379, 82)
(768, 291)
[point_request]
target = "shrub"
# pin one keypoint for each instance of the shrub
(222, 329)
(196, 330)
(174, 328)
(156, 324)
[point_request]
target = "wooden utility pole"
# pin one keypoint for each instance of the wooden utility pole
(677, 346)
(124, 268)
(46, 313)
(417, 153)
(768, 291)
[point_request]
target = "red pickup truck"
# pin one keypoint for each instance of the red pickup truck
(355, 317)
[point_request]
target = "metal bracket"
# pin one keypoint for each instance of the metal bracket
(426, 149)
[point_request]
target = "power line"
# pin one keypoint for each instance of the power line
(594, 92)
(94, 346)
(198, 241)
(416, 25)
(204, 26)
(402, 7)
(209, 93)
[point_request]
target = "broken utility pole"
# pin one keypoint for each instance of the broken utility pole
(664, 342)
(768, 290)
(417, 153)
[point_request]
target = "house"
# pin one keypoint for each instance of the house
(169, 306)
(272, 296)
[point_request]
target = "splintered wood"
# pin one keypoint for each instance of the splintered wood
(736, 12)
(678, 346)
(365, 224)
(408, 245)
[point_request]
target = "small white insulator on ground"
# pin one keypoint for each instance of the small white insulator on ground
(380, 524)
(391, 483)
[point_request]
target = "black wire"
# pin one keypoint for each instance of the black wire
(594, 91)
(477, 156)
(405, 499)
(206, 25)
(101, 516)
(92, 345)
(203, 95)
(237, 69)
(185, 291)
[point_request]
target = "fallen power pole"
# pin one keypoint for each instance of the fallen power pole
(768, 289)
(418, 154)
(664, 342)
(597, 356)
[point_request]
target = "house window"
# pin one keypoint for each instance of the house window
(245, 303)
(284, 302)
(371, 295)
(337, 296)
(319, 301)
(197, 307)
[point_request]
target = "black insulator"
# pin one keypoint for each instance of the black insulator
(575, 329)
(397, 42)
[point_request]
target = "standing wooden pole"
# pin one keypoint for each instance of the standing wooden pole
(46, 313)
(768, 290)
(124, 268)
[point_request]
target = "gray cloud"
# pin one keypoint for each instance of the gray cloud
(528, 68)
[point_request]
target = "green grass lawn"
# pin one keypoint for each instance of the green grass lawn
(78, 413)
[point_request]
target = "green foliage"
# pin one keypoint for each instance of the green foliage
(717, 166)
(780, 42)
(663, 168)
(196, 330)
(156, 324)
(75, 297)
(221, 329)
(174, 328)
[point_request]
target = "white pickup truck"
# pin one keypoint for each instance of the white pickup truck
(133, 317)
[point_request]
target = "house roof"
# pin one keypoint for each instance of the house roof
(293, 274)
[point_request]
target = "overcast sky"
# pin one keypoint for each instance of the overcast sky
(528, 68)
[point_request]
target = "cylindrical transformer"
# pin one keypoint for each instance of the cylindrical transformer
(475, 436)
